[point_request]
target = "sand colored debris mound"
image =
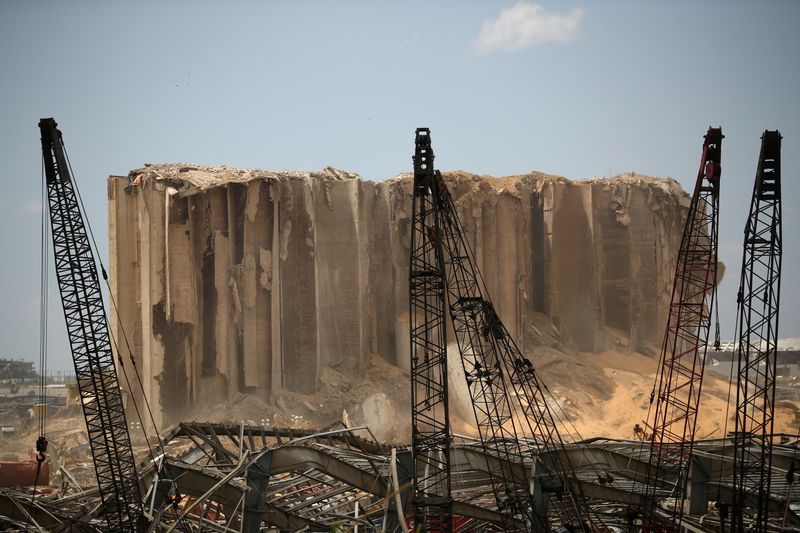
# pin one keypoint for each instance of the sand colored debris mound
(238, 282)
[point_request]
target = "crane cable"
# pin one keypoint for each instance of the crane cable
(457, 228)
(717, 340)
(724, 507)
(642, 512)
(41, 440)
(88, 225)
(790, 480)
(43, 306)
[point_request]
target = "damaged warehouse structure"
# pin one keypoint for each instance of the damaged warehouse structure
(341, 478)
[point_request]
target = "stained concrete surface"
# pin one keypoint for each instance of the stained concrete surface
(234, 281)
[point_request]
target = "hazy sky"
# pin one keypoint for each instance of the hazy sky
(577, 89)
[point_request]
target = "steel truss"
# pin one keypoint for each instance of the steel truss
(87, 329)
(483, 370)
(683, 351)
(759, 295)
(430, 426)
(315, 477)
(493, 365)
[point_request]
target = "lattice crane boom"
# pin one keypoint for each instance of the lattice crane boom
(430, 428)
(571, 503)
(493, 367)
(682, 361)
(485, 375)
(759, 298)
(484, 342)
(87, 329)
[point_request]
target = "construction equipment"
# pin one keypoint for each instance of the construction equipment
(680, 375)
(758, 299)
(430, 427)
(87, 328)
(493, 366)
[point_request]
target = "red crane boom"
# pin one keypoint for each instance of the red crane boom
(680, 375)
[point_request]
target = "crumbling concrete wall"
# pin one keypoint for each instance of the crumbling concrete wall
(233, 281)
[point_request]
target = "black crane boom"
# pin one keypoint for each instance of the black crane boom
(496, 372)
(430, 427)
(486, 379)
(759, 296)
(87, 329)
(494, 368)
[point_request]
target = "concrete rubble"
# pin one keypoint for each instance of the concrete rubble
(234, 281)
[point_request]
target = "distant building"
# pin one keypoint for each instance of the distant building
(788, 350)
(13, 370)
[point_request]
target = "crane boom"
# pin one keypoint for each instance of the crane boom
(492, 365)
(680, 375)
(87, 329)
(489, 398)
(570, 502)
(486, 382)
(759, 296)
(430, 427)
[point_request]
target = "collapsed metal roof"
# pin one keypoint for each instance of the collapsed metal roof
(232, 477)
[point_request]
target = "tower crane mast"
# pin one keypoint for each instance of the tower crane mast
(87, 329)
